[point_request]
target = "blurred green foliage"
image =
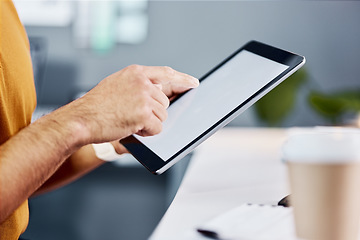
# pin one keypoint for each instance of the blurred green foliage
(333, 106)
(278, 103)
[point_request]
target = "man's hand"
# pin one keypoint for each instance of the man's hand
(133, 100)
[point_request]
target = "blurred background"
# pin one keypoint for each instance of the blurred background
(75, 44)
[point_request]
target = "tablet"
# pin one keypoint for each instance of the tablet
(224, 92)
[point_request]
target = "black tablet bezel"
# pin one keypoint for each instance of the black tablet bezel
(153, 162)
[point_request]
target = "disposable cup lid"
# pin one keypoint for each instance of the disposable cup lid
(322, 145)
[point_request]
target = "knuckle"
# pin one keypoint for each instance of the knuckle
(144, 113)
(143, 87)
(169, 71)
(134, 68)
(142, 90)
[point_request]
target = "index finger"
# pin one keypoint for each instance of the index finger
(173, 82)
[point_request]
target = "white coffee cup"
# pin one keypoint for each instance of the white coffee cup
(324, 172)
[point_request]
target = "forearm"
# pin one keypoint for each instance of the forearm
(77, 165)
(30, 157)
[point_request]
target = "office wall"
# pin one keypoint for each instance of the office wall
(193, 36)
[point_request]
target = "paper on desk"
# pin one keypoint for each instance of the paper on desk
(252, 221)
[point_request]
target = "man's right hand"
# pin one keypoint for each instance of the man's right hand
(133, 100)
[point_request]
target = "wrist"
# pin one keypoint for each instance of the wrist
(69, 126)
(78, 120)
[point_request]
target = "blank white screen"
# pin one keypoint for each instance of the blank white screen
(220, 93)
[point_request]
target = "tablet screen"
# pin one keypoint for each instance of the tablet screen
(217, 95)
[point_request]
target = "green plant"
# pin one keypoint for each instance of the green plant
(278, 103)
(334, 106)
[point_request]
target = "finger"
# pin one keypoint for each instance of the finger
(173, 82)
(158, 85)
(153, 127)
(160, 111)
(179, 84)
(159, 96)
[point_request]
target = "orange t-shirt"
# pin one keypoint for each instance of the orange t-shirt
(17, 98)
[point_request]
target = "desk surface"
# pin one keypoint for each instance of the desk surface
(234, 166)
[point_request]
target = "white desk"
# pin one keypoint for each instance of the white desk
(234, 166)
